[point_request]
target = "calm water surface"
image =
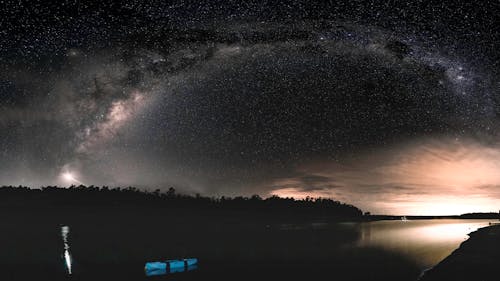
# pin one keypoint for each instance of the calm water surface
(427, 242)
(103, 249)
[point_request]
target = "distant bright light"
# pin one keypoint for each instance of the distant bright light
(68, 176)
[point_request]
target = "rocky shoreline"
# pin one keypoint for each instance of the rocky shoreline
(477, 259)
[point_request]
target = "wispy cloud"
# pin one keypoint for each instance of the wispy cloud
(431, 176)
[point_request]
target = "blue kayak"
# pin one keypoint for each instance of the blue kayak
(170, 266)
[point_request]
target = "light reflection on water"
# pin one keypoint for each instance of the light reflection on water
(66, 255)
(427, 242)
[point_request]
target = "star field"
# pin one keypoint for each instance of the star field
(350, 100)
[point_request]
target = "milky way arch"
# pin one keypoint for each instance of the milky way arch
(247, 108)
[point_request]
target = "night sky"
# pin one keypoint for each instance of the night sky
(390, 106)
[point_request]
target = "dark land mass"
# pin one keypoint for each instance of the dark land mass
(113, 232)
(242, 208)
(477, 259)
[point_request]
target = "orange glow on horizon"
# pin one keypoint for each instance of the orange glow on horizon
(429, 178)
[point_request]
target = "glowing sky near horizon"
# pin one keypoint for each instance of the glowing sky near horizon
(432, 177)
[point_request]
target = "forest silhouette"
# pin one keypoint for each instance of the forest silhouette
(105, 197)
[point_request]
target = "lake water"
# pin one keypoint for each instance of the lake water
(115, 246)
(426, 242)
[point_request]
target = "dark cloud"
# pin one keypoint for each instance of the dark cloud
(399, 49)
(313, 180)
(303, 182)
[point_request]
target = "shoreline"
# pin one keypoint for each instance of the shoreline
(477, 258)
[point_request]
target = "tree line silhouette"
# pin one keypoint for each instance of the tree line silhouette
(130, 197)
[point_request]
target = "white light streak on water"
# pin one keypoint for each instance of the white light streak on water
(67, 256)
